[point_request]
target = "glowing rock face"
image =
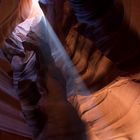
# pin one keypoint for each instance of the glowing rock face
(113, 112)
(11, 16)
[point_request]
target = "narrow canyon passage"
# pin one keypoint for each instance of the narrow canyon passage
(57, 84)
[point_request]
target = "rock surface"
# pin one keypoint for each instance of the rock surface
(112, 109)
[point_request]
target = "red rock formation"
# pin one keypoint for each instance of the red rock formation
(110, 111)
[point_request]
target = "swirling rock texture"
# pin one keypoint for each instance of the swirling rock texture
(104, 120)
(11, 16)
(111, 110)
